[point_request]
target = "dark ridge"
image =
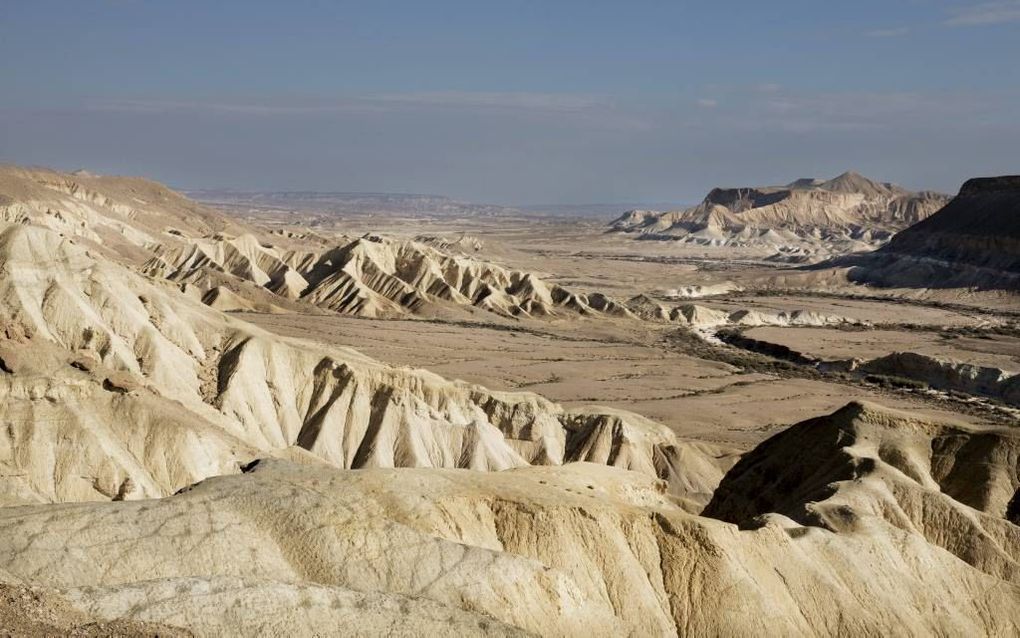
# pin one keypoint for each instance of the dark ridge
(987, 207)
(1003, 183)
(971, 242)
(775, 350)
(805, 182)
(739, 198)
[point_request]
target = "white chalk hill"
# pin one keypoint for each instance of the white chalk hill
(122, 386)
(375, 276)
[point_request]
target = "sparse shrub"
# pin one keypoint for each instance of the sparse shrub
(894, 381)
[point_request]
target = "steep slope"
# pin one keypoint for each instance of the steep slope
(118, 386)
(974, 241)
(207, 262)
(805, 220)
(576, 550)
(853, 182)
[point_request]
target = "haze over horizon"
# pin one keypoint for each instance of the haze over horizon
(516, 103)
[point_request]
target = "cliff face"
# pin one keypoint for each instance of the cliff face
(980, 227)
(971, 242)
(1000, 184)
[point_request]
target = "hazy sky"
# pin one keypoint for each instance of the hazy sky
(550, 101)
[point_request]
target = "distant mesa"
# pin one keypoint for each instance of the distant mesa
(805, 182)
(806, 220)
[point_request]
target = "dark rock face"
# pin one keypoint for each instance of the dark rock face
(979, 227)
(971, 242)
(1003, 183)
(738, 199)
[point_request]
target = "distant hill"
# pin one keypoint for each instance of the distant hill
(805, 220)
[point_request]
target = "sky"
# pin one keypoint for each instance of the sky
(513, 101)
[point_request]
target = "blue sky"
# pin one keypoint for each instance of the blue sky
(513, 101)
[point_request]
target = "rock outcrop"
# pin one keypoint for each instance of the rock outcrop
(700, 316)
(945, 374)
(956, 486)
(117, 215)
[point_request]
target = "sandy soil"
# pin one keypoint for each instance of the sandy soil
(996, 351)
